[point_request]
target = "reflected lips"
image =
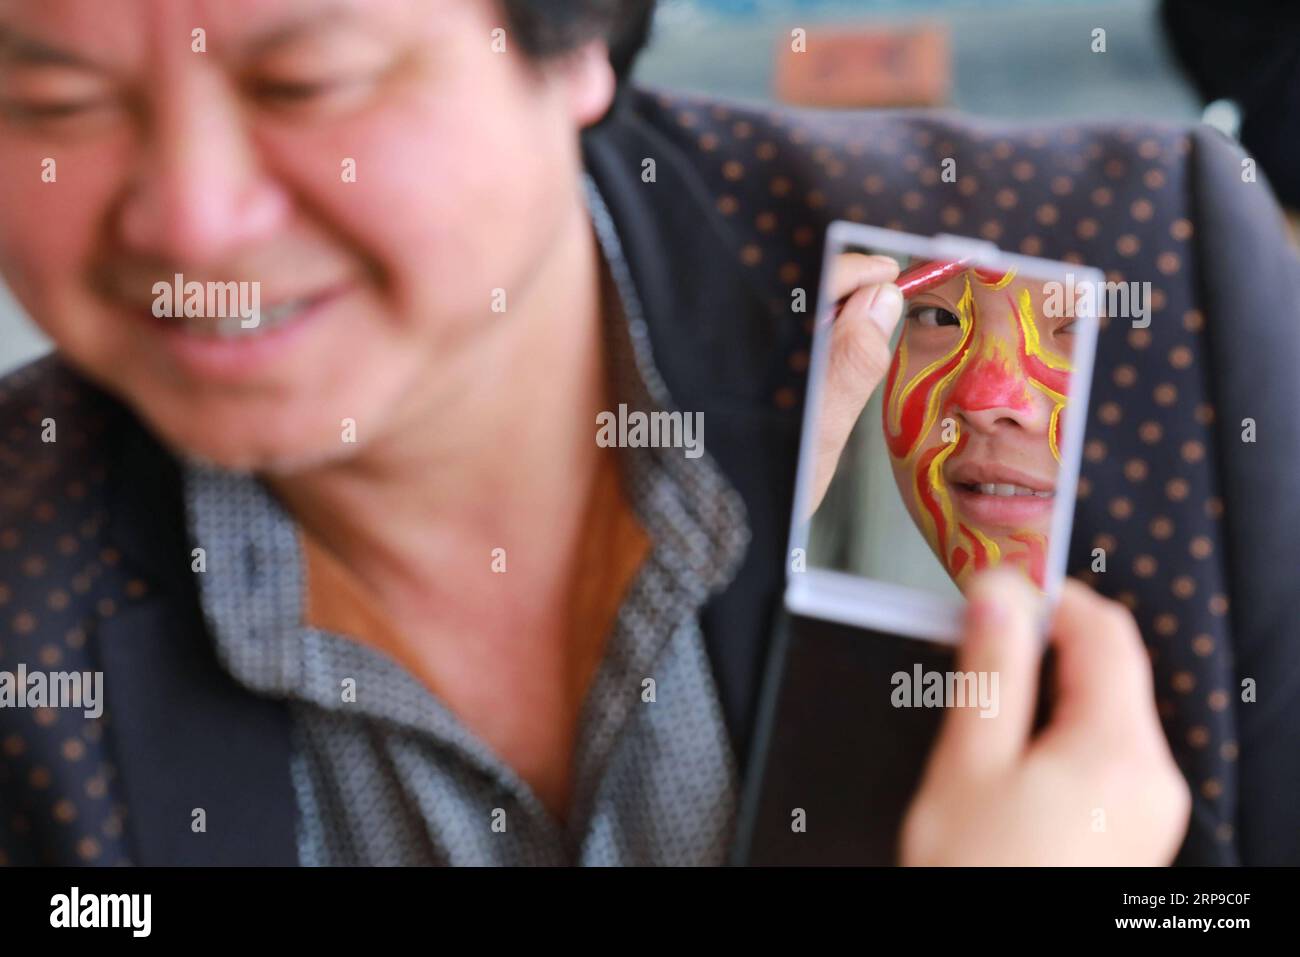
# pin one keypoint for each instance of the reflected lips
(993, 494)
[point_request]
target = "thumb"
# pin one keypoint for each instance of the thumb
(1103, 675)
(859, 358)
(1001, 647)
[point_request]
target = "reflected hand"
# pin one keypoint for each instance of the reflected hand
(859, 354)
(1097, 786)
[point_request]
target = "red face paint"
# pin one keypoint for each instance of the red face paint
(1054, 374)
(984, 552)
(992, 381)
(933, 494)
(911, 405)
(929, 501)
(1049, 373)
(993, 277)
(1034, 556)
(984, 369)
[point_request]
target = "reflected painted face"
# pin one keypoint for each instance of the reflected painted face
(972, 419)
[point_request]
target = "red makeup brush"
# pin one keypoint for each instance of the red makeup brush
(919, 277)
(916, 279)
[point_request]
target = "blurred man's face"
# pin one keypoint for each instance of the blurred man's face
(235, 165)
(972, 417)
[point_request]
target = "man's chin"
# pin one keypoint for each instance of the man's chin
(259, 448)
(258, 462)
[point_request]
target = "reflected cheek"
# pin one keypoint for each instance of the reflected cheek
(910, 473)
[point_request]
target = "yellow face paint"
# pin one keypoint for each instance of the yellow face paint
(911, 408)
(1046, 371)
(982, 370)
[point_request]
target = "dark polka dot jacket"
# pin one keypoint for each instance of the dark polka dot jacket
(1200, 527)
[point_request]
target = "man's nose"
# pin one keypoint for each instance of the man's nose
(991, 392)
(200, 193)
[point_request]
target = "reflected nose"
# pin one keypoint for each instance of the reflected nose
(992, 392)
(201, 193)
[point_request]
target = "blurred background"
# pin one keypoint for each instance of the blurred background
(1008, 58)
(1017, 59)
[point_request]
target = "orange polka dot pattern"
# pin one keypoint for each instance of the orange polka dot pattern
(1109, 196)
(60, 578)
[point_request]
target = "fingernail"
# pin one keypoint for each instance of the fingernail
(886, 308)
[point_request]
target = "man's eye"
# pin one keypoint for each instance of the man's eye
(932, 316)
(1066, 329)
(50, 111)
(337, 90)
(52, 94)
(294, 91)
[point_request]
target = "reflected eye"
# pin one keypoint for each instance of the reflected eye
(932, 317)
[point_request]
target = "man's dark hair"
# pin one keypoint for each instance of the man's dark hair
(546, 28)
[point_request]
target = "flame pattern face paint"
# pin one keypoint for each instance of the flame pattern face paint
(1033, 557)
(1047, 372)
(932, 494)
(990, 379)
(992, 361)
(912, 406)
(985, 550)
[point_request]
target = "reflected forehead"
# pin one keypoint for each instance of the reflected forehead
(1009, 294)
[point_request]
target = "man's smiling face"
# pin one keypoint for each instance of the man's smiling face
(972, 417)
(232, 165)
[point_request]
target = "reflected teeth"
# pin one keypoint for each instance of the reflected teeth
(1009, 491)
